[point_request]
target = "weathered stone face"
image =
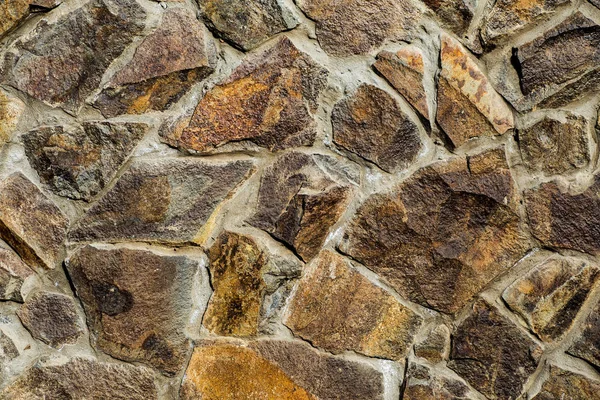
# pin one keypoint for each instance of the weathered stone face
(275, 370)
(13, 272)
(8, 350)
(436, 345)
(549, 297)
(456, 15)
(422, 383)
(165, 65)
(338, 309)
(63, 62)
(137, 303)
(371, 124)
(562, 384)
(31, 223)
(12, 13)
(166, 201)
(492, 354)
(78, 378)
(11, 110)
(358, 26)
(268, 100)
(78, 163)
(587, 344)
(442, 235)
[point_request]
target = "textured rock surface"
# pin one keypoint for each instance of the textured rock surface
(13, 272)
(422, 383)
(8, 350)
(436, 345)
(562, 384)
(456, 15)
(11, 110)
(12, 13)
(587, 343)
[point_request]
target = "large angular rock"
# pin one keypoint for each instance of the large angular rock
(137, 303)
(358, 26)
(299, 201)
(13, 273)
(336, 308)
(62, 63)
(166, 64)
(12, 13)
(31, 223)
(563, 384)
(442, 235)
(587, 343)
(11, 110)
(468, 105)
(79, 162)
(268, 100)
(51, 318)
(455, 15)
(244, 24)
(166, 200)
(550, 296)
(492, 354)
(422, 383)
(275, 370)
(371, 124)
(81, 378)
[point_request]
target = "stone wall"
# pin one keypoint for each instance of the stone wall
(309, 199)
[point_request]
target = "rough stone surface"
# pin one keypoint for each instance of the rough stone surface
(11, 14)
(587, 343)
(456, 15)
(422, 383)
(562, 384)
(436, 345)
(11, 111)
(550, 296)
(371, 124)
(13, 272)
(167, 201)
(492, 354)
(275, 370)
(8, 350)
(79, 162)
(443, 234)
(31, 223)
(137, 303)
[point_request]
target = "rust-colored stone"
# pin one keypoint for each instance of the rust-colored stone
(587, 344)
(436, 345)
(13, 272)
(11, 110)
(12, 13)
(562, 385)
(422, 383)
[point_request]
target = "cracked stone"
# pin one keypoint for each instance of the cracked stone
(422, 383)
(11, 110)
(563, 384)
(587, 344)
(13, 273)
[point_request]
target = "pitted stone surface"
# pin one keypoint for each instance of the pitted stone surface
(587, 343)
(13, 273)
(563, 384)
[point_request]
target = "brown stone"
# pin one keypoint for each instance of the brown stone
(12, 13)
(436, 345)
(550, 296)
(8, 350)
(166, 64)
(455, 15)
(166, 200)
(336, 308)
(468, 105)
(358, 26)
(492, 354)
(13, 272)
(422, 383)
(555, 147)
(404, 69)
(137, 303)
(562, 384)
(268, 100)
(81, 378)
(442, 235)
(298, 201)
(63, 62)
(11, 110)
(275, 370)
(244, 24)
(78, 163)
(371, 124)
(587, 343)
(31, 223)
(51, 318)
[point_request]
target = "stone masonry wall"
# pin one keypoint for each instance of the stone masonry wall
(299, 199)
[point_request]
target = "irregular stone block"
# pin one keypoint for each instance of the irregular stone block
(137, 303)
(31, 223)
(244, 24)
(404, 69)
(8, 350)
(79, 378)
(358, 26)
(268, 100)
(549, 297)
(587, 343)
(79, 162)
(12, 13)
(276, 370)
(166, 64)
(422, 383)
(336, 308)
(442, 235)
(455, 15)
(563, 384)
(492, 354)
(51, 318)
(13, 272)
(11, 110)
(468, 105)
(436, 345)
(299, 201)
(371, 124)
(166, 200)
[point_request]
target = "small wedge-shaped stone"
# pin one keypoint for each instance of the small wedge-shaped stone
(358, 26)
(404, 69)
(167, 200)
(443, 234)
(435, 346)
(13, 272)
(12, 12)
(336, 308)
(275, 370)
(81, 378)
(371, 124)
(8, 350)
(137, 303)
(11, 109)
(587, 343)
(468, 105)
(456, 15)
(492, 354)
(31, 223)
(562, 385)
(268, 100)
(423, 383)
(79, 162)
(165, 65)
